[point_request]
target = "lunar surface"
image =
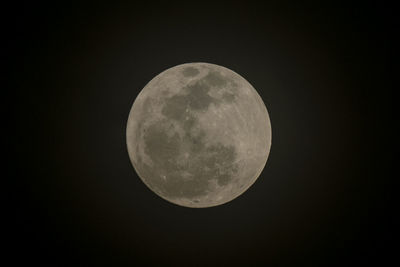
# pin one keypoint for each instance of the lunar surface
(198, 135)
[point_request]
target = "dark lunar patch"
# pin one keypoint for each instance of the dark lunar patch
(188, 122)
(214, 78)
(175, 107)
(196, 143)
(202, 165)
(190, 72)
(139, 127)
(138, 157)
(228, 97)
(147, 104)
(198, 97)
(234, 84)
(160, 147)
(220, 162)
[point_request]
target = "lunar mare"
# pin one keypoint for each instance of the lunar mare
(198, 135)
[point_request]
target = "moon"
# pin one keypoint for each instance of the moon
(198, 135)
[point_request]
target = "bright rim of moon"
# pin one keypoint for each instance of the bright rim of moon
(198, 135)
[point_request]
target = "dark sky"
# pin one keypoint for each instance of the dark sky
(321, 69)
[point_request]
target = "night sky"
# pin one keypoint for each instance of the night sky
(322, 70)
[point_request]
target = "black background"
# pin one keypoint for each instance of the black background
(75, 70)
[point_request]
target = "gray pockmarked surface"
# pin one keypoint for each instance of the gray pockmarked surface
(198, 135)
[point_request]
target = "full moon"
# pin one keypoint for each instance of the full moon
(198, 135)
